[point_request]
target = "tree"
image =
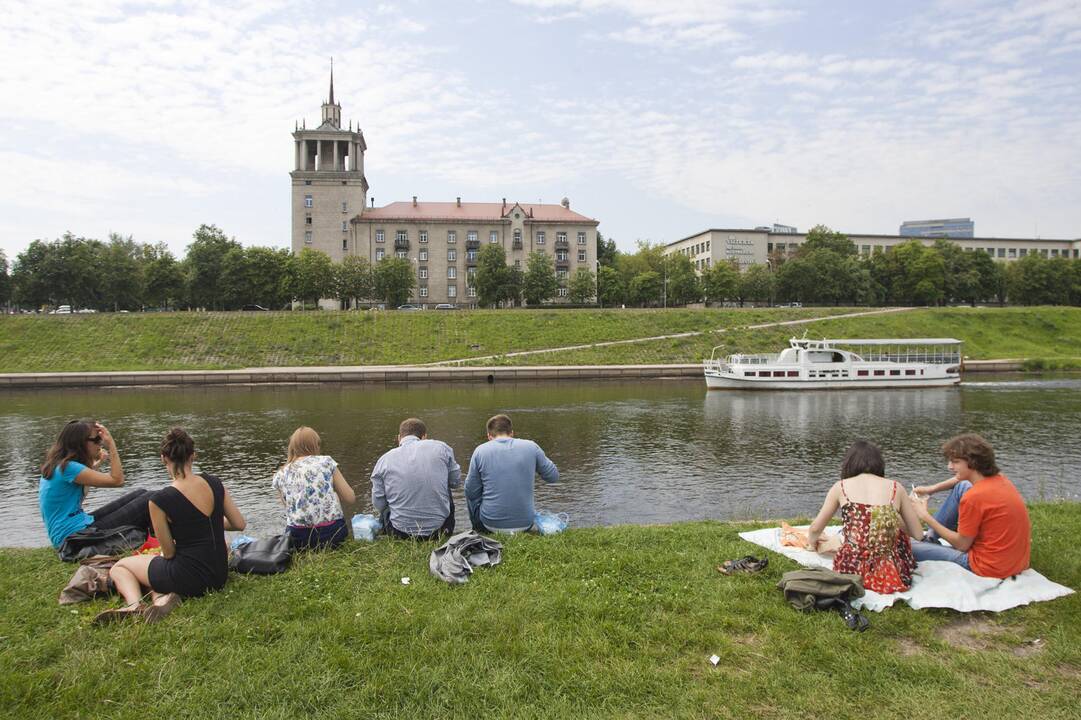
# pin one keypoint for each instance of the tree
(606, 252)
(1035, 280)
(491, 282)
(314, 275)
(610, 290)
(645, 288)
(5, 280)
(394, 280)
(122, 280)
(511, 289)
(682, 285)
(164, 277)
(270, 276)
(919, 274)
(582, 287)
(32, 275)
(355, 280)
(539, 283)
(757, 284)
(720, 282)
(821, 237)
(204, 261)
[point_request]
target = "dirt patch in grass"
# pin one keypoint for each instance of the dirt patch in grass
(970, 633)
(910, 648)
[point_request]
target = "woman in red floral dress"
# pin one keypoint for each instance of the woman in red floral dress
(877, 518)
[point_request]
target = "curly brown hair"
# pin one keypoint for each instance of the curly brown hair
(974, 450)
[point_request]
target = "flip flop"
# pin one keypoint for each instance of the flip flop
(115, 614)
(745, 565)
(157, 610)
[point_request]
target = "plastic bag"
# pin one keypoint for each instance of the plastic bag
(240, 540)
(550, 523)
(366, 527)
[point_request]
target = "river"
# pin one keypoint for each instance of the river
(651, 452)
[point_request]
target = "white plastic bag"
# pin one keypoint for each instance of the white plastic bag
(550, 523)
(366, 527)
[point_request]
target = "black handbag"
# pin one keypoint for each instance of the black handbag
(90, 541)
(268, 556)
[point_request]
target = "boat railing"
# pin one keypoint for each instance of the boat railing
(756, 359)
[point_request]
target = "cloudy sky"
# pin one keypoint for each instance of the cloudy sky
(657, 117)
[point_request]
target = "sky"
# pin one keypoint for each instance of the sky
(658, 118)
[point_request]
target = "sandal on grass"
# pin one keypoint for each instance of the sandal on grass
(115, 614)
(162, 606)
(745, 565)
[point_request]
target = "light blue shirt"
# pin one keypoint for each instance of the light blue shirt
(501, 479)
(61, 502)
(414, 481)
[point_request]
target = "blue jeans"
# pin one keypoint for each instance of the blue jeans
(947, 516)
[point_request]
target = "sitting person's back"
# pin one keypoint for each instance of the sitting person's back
(499, 486)
(877, 521)
(313, 490)
(411, 484)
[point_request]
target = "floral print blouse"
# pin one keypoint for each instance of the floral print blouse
(307, 486)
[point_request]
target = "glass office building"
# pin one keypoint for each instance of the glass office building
(949, 227)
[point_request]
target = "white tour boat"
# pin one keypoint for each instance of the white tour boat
(812, 364)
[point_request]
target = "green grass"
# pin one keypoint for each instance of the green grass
(1050, 336)
(600, 622)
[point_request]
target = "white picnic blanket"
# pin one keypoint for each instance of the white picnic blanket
(935, 584)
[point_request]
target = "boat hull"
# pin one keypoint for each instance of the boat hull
(723, 382)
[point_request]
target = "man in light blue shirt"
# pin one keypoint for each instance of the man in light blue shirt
(499, 487)
(411, 485)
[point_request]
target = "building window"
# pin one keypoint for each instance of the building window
(422, 273)
(379, 236)
(452, 237)
(345, 207)
(401, 254)
(401, 235)
(471, 236)
(1012, 253)
(1002, 252)
(581, 238)
(345, 226)
(423, 236)
(379, 254)
(307, 182)
(493, 236)
(308, 237)
(452, 272)
(561, 237)
(345, 243)
(1022, 252)
(707, 245)
(452, 291)
(452, 255)
(581, 256)
(1043, 251)
(517, 263)
(424, 254)
(308, 220)
(470, 255)
(561, 274)
(561, 255)
(562, 292)
(471, 291)
(1054, 252)
(307, 201)
(866, 250)
(540, 237)
(424, 291)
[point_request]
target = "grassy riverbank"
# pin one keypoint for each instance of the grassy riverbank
(601, 622)
(1050, 336)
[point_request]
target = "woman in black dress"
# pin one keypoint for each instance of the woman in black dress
(189, 518)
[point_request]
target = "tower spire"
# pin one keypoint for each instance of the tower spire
(332, 80)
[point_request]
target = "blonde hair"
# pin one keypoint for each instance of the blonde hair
(304, 441)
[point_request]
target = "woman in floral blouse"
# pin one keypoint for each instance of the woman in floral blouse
(313, 490)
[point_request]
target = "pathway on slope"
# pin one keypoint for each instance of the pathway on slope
(609, 343)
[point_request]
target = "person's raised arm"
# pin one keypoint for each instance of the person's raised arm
(829, 507)
(954, 538)
(96, 478)
(937, 487)
(545, 467)
(233, 520)
(341, 487)
(913, 526)
(161, 530)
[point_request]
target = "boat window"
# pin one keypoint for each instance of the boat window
(778, 373)
(879, 373)
(793, 373)
(861, 373)
(895, 372)
(749, 373)
(910, 372)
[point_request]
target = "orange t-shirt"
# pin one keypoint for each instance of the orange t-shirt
(994, 513)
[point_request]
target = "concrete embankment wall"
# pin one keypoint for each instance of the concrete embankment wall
(386, 374)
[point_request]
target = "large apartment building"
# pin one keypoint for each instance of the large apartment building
(442, 240)
(756, 247)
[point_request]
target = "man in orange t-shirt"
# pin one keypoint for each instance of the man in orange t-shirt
(984, 519)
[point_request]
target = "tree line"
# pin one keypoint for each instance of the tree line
(827, 269)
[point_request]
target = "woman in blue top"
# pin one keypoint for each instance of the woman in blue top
(70, 467)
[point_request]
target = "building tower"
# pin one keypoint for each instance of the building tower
(329, 186)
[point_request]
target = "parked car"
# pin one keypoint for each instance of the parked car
(408, 307)
(254, 308)
(62, 310)
(446, 306)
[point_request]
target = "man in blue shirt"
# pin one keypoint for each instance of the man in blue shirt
(499, 486)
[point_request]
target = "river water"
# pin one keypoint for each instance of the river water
(651, 452)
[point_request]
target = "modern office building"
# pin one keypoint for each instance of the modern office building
(757, 247)
(947, 228)
(441, 239)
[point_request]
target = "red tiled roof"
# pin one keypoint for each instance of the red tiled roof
(471, 211)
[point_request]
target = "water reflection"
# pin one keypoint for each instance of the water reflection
(628, 452)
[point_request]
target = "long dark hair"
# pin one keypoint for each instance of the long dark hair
(863, 457)
(71, 445)
(177, 447)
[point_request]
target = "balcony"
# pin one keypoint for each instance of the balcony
(472, 244)
(562, 243)
(401, 244)
(516, 245)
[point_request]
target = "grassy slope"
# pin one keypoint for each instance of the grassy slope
(604, 622)
(229, 340)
